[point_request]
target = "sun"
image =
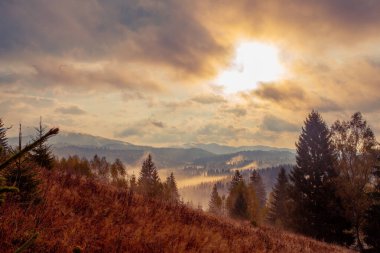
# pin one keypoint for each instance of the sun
(254, 62)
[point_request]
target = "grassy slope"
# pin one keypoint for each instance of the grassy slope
(97, 218)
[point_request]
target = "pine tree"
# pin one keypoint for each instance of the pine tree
(23, 176)
(316, 209)
(7, 164)
(257, 184)
(236, 180)
(170, 189)
(3, 141)
(277, 214)
(237, 200)
(240, 206)
(42, 154)
(372, 224)
(149, 182)
(215, 204)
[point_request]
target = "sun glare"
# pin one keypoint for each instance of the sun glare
(254, 62)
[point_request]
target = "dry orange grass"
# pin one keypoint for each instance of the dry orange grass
(98, 217)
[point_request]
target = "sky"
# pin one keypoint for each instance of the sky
(170, 72)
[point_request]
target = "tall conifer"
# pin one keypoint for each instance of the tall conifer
(42, 154)
(316, 210)
(237, 200)
(215, 204)
(257, 183)
(170, 189)
(278, 210)
(24, 176)
(149, 182)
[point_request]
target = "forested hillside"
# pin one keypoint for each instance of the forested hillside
(85, 214)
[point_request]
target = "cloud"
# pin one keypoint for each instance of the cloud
(73, 110)
(290, 95)
(132, 62)
(220, 133)
(275, 124)
(236, 111)
(128, 132)
(158, 124)
(280, 93)
(209, 99)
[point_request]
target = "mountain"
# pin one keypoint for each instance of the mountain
(213, 155)
(223, 149)
(66, 139)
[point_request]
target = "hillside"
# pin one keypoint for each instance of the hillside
(98, 217)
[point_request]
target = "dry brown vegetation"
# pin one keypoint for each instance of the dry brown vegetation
(98, 217)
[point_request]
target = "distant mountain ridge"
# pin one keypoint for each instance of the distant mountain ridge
(85, 145)
(65, 139)
(224, 149)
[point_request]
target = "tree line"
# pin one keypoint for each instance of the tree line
(331, 194)
(20, 175)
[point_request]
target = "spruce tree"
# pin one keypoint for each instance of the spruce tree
(149, 182)
(316, 209)
(171, 190)
(42, 154)
(237, 200)
(277, 214)
(257, 183)
(240, 206)
(236, 180)
(6, 165)
(215, 204)
(24, 176)
(372, 223)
